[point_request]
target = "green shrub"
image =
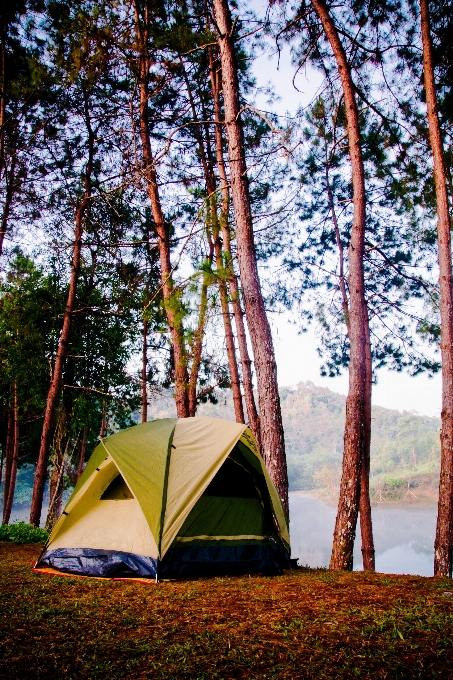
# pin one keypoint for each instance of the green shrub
(21, 532)
(393, 483)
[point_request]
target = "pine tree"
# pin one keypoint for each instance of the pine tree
(271, 427)
(81, 61)
(444, 531)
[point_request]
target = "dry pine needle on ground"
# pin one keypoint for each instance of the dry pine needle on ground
(304, 624)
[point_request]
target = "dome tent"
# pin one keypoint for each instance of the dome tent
(168, 498)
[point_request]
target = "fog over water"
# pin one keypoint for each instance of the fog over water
(21, 513)
(403, 536)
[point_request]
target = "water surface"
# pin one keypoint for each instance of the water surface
(403, 536)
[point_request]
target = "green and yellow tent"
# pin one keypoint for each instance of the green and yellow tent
(171, 498)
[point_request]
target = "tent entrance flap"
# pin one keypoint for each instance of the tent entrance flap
(231, 529)
(230, 506)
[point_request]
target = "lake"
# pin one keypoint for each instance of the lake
(403, 536)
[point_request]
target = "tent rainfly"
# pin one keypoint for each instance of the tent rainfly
(172, 498)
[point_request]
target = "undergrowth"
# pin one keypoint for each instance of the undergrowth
(20, 532)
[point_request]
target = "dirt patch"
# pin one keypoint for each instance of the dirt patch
(304, 624)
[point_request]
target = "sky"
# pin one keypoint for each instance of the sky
(297, 359)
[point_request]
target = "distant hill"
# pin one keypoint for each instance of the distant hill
(405, 447)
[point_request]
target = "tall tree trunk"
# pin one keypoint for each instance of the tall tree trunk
(63, 344)
(212, 211)
(61, 443)
(56, 486)
(229, 337)
(145, 371)
(83, 444)
(172, 304)
(103, 428)
(10, 487)
(366, 525)
(197, 344)
(246, 363)
(444, 530)
(8, 460)
(356, 408)
(2, 453)
(272, 436)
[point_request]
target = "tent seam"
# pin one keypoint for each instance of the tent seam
(164, 493)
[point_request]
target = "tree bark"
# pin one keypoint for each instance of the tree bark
(272, 436)
(341, 276)
(61, 442)
(8, 460)
(172, 305)
(56, 486)
(2, 453)
(197, 345)
(83, 444)
(145, 371)
(444, 530)
(356, 408)
(246, 363)
(63, 344)
(103, 428)
(366, 525)
(10, 487)
(229, 337)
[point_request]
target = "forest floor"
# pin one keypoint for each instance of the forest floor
(304, 624)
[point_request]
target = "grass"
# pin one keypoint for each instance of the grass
(304, 624)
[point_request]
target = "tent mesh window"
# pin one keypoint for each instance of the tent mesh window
(117, 490)
(232, 481)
